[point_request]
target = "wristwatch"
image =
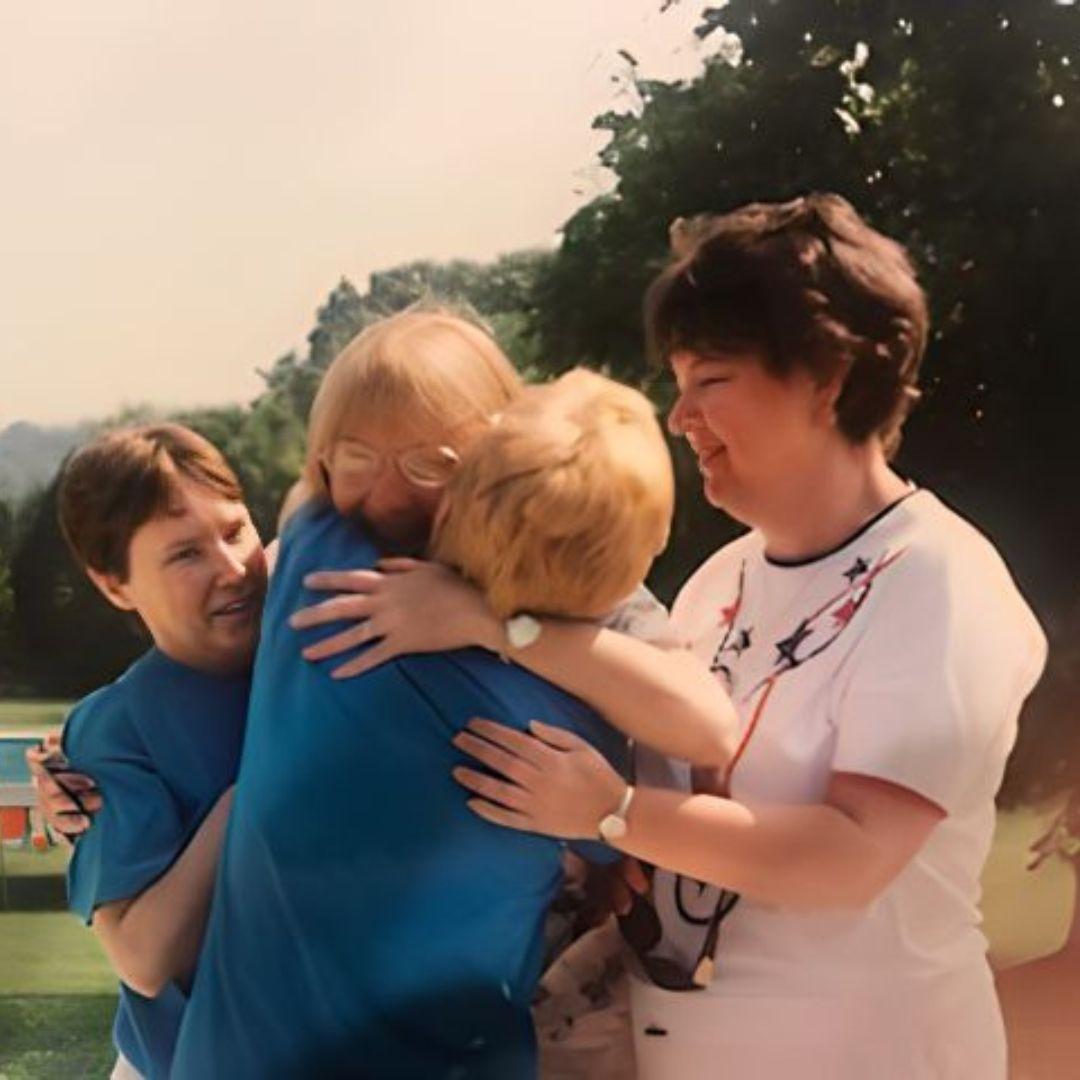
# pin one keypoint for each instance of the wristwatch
(613, 826)
(521, 631)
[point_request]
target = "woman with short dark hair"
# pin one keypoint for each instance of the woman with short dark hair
(877, 652)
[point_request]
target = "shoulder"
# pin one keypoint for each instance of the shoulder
(112, 719)
(940, 580)
(641, 615)
(100, 724)
(948, 562)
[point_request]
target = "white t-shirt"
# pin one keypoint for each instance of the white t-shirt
(904, 655)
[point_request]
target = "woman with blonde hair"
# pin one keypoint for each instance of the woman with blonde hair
(412, 945)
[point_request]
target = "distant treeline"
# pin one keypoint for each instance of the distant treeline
(955, 128)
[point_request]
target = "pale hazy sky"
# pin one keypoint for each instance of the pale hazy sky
(181, 184)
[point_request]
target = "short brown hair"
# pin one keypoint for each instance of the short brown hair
(115, 484)
(810, 285)
(425, 366)
(561, 507)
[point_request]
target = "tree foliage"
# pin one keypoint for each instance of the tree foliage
(954, 127)
(49, 612)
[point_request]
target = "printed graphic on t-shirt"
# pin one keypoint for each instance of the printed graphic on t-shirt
(811, 635)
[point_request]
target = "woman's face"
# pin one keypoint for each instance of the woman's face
(399, 511)
(755, 435)
(197, 578)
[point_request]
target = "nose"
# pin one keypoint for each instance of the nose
(231, 567)
(678, 419)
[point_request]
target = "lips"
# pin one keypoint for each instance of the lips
(706, 458)
(239, 607)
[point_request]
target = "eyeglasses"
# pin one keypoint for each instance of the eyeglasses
(423, 466)
(642, 930)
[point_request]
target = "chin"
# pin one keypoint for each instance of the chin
(722, 498)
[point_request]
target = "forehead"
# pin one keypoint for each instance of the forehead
(188, 505)
(685, 363)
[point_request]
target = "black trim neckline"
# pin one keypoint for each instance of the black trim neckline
(866, 526)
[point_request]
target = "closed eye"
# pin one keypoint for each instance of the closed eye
(183, 554)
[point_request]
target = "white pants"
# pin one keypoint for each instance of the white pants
(124, 1070)
(946, 1028)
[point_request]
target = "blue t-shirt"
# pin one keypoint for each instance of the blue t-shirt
(163, 742)
(365, 921)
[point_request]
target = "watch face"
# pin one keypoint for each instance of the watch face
(612, 827)
(522, 631)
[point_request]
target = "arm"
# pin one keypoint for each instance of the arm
(154, 938)
(841, 853)
(662, 697)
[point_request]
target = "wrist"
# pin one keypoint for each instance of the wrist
(489, 631)
(613, 826)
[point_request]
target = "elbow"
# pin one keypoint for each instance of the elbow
(714, 746)
(145, 970)
(147, 980)
(713, 750)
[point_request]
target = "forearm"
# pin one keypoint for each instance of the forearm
(156, 937)
(804, 857)
(666, 699)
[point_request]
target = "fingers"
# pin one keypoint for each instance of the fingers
(557, 737)
(519, 743)
(366, 661)
(492, 789)
(340, 642)
(400, 564)
(622, 899)
(69, 825)
(348, 606)
(633, 874)
(499, 815)
(501, 761)
(355, 581)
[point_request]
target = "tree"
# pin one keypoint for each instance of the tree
(955, 128)
(72, 639)
(53, 610)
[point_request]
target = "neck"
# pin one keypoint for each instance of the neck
(824, 505)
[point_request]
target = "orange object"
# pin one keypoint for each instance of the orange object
(13, 822)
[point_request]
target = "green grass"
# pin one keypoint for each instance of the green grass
(56, 1036)
(57, 992)
(50, 952)
(44, 949)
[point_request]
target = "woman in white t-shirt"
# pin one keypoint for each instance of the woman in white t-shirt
(877, 652)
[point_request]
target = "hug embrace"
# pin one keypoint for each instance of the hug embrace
(320, 835)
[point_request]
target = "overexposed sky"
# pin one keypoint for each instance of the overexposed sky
(182, 184)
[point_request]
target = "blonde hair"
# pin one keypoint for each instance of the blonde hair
(422, 369)
(562, 506)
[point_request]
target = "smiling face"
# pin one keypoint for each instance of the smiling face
(756, 436)
(197, 578)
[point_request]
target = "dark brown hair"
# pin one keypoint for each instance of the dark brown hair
(115, 484)
(810, 285)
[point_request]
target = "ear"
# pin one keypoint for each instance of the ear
(827, 395)
(112, 588)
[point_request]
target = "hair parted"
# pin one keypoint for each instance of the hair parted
(113, 485)
(561, 507)
(808, 284)
(424, 369)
